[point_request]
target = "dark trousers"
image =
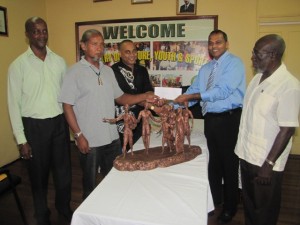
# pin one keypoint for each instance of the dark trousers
(50, 143)
(102, 156)
(221, 131)
(261, 202)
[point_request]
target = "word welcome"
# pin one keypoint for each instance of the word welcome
(143, 31)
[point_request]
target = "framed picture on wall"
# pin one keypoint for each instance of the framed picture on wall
(141, 1)
(101, 0)
(3, 21)
(186, 7)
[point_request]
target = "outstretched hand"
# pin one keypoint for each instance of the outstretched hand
(157, 101)
(150, 96)
(181, 99)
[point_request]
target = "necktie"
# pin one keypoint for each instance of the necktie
(209, 85)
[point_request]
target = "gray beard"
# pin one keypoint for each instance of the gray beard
(258, 70)
(95, 58)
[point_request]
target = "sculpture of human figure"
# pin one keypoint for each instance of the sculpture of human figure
(130, 123)
(145, 115)
(172, 121)
(167, 137)
(187, 128)
(179, 137)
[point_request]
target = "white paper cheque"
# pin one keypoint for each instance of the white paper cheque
(167, 92)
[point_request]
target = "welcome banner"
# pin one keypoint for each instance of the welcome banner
(172, 49)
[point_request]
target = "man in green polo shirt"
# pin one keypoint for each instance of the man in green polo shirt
(39, 126)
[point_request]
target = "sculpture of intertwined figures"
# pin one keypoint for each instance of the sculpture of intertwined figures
(175, 126)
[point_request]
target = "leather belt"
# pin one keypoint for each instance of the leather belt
(51, 118)
(225, 113)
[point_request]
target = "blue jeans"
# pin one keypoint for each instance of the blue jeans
(102, 156)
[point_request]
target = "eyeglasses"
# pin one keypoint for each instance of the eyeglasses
(260, 55)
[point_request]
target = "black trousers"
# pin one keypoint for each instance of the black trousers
(102, 156)
(261, 202)
(50, 143)
(221, 131)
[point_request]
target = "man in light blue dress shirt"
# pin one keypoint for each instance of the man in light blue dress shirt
(221, 92)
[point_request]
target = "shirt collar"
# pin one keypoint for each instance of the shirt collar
(277, 75)
(29, 51)
(220, 60)
(83, 61)
(122, 64)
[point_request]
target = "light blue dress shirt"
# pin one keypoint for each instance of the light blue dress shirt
(228, 88)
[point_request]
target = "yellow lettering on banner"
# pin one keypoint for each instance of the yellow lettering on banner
(180, 57)
(116, 56)
(143, 55)
(166, 56)
(172, 56)
(188, 58)
(107, 58)
(199, 60)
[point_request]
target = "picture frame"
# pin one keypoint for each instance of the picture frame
(3, 21)
(183, 9)
(141, 1)
(100, 0)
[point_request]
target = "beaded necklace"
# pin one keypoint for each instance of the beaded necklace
(100, 82)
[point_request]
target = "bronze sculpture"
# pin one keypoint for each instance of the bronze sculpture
(145, 115)
(187, 114)
(130, 123)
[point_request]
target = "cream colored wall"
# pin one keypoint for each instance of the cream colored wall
(283, 18)
(238, 18)
(240, 25)
(10, 47)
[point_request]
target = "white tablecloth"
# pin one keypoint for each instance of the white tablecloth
(179, 194)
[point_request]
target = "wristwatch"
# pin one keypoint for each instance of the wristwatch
(77, 135)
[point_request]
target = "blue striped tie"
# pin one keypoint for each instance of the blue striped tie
(209, 85)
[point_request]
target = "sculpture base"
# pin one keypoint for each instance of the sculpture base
(142, 161)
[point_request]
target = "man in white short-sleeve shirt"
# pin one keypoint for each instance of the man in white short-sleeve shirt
(269, 119)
